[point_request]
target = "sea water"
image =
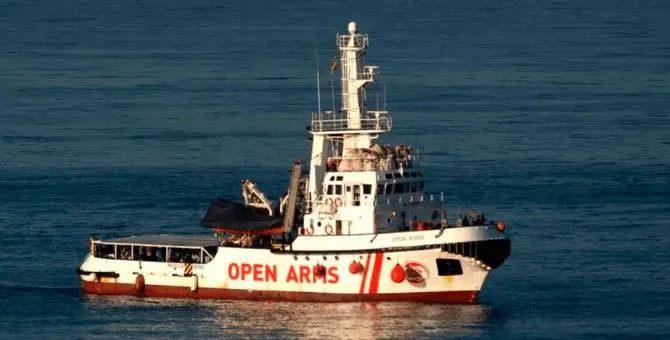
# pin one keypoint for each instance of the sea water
(128, 117)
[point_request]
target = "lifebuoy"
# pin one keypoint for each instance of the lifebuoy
(329, 229)
(329, 201)
(310, 230)
(338, 202)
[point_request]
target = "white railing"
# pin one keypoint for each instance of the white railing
(416, 199)
(360, 40)
(377, 121)
(366, 76)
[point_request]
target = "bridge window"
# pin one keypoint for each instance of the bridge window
(339, 178)
(330, 190)
(405, 174)
(398, 188)
(396, 175)
(414, 185)
(446, 267)
(380, 189)
(367, 189)
(413, 174)
(389, 176)
(389, 188)
(338, 189)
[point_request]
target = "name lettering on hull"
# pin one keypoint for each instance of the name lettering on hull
(268, 273)
(407, 238)
(181, 266)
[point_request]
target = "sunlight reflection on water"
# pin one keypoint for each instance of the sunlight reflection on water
(239, 319)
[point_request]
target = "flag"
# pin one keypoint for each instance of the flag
(333, 65)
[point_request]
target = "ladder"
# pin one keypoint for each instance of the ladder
(289, 213)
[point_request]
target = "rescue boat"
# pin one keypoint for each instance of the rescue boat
(355, 225)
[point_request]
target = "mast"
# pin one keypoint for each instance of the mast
(318, 80)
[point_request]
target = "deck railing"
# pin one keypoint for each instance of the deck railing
(360, 40)
(322, 204)
(376, 121)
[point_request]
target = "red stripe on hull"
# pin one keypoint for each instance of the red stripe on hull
(374, 280)
(461, 297)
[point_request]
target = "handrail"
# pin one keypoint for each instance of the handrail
(360, 40)
(416, 198)
(381, 123)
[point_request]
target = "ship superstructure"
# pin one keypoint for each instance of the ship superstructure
(353, 181)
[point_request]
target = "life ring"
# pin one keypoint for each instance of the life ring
(329, 201)
(338, 202)
(310, 230)
(329, 229)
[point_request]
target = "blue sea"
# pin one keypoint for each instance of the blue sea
(128, 117)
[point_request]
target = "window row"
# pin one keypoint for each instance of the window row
(404, 174)
(155, 254)
(399, 188)
(382, 188)
(336, 189)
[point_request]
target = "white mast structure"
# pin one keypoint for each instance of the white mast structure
(353, 127)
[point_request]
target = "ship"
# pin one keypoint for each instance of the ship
(355, 224)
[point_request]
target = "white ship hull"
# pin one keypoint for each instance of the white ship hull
(290, 275)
